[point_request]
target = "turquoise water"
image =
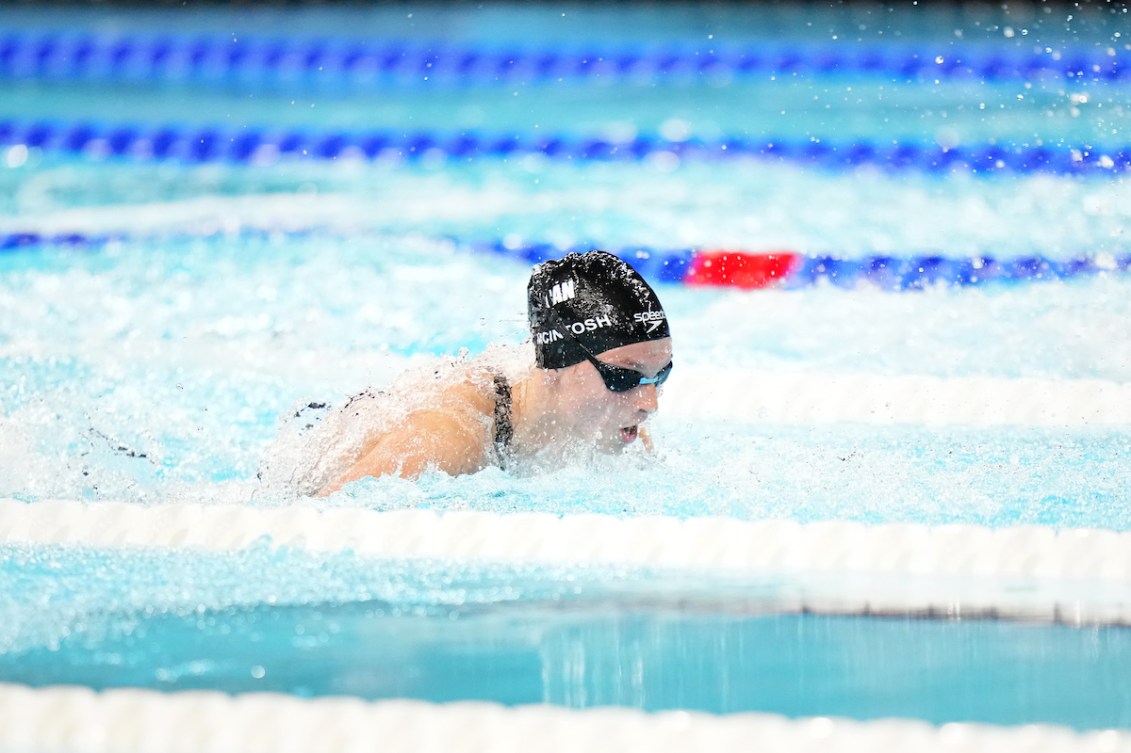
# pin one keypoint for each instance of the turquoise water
(949, 112)
(654, 659)
(287, 622)
(157, 368)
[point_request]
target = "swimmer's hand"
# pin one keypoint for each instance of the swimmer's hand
(645, 439)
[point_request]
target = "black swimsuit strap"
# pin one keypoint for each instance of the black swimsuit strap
(504, 429)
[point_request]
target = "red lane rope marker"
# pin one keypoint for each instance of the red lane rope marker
(741, 269)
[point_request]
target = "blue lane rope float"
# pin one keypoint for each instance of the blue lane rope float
(11, 242)
(207, 144)
(724, 267)
(172, 57)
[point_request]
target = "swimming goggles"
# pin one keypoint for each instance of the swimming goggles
(620, 379)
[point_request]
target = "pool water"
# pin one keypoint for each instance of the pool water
(344, 625)
(169, 316)
(653, 659)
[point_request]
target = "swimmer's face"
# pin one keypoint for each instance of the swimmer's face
(611, 419)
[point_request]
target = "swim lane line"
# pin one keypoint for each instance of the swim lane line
(80, 720)
(715, 267)
(296, 60)
(834, 567)
(203, 144)
(707, 267)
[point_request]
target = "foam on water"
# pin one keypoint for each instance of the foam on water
(154, 370)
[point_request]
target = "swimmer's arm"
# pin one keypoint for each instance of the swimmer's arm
(424, 440)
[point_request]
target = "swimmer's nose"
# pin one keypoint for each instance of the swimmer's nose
(645, 398)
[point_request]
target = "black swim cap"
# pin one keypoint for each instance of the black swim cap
(591, 301)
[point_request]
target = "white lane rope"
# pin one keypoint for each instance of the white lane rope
(1076, 576)
(79, 720)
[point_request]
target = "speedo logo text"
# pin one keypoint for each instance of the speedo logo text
(652, 319)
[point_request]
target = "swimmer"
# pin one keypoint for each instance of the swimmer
(602, 348)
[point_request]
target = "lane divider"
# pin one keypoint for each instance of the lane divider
(80, 720)
(200, 144)
(290, 60)
(705, 267)
(833, 567)
(749, 270)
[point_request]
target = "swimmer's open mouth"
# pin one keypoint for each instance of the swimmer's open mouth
(628, 434)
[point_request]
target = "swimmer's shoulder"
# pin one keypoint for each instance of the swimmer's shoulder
(460, 398)
(452, 435)
(477, 389)
(442, 418)
(466, 405)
